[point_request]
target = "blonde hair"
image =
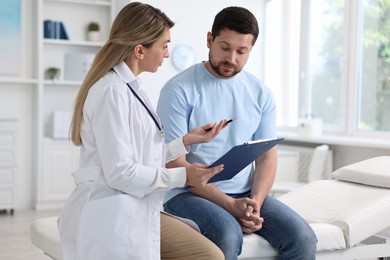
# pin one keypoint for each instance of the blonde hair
(136, 23)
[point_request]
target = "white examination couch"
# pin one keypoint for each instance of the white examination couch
(347, 213)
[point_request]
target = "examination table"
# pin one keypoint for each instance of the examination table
(349, 214)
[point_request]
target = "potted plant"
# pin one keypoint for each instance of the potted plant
(93, 32)
(53, 73)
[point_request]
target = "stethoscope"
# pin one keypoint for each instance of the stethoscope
(155, 120)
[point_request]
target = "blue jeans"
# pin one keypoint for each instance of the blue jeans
(284, 229)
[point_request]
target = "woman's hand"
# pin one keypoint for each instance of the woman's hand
(204, 133)
(198, 175)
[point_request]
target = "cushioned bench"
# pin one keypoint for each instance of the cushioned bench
(347, 214)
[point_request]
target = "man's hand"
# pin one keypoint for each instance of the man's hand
(247, 213)
(238, 207)
(252, 222)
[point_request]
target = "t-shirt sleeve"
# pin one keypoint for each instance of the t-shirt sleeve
(267, 127)
(172, 110)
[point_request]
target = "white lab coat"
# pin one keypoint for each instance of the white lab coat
(114, 211)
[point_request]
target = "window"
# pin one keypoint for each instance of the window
(324, 66)
(281, 69)
(330, 59)
(374, 93)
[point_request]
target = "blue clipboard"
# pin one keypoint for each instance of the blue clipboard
(241, 156)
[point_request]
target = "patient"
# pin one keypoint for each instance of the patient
(220, 88)
(114, 212)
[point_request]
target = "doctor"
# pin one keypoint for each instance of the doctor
(114, 211)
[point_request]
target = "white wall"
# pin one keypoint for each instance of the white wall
(16, 101)
(193, 19)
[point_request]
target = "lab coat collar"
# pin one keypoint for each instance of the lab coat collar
(125, 74)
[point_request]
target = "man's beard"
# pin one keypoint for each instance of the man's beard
(219, 70)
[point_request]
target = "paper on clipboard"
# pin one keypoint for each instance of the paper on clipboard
(241, 156)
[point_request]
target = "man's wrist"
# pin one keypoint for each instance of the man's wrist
(259, 199)
(228, 204)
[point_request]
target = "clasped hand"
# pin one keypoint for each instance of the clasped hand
(247, 213)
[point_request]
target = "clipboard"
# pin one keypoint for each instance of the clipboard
(241, 156)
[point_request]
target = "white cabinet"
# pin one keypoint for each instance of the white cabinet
(8, 163)
(57, 158)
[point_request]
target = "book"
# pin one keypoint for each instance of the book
(56, 30)
(240, 156)
(63, 33)
(48, 29)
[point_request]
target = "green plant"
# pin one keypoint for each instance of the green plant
(93, 26)
(53, 73)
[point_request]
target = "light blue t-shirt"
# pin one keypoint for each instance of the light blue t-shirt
(195, 97)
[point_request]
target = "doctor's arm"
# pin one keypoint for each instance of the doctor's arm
(196, 174)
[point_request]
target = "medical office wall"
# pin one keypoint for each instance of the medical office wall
(29, 96)
(193, 19)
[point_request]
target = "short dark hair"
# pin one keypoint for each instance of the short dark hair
(236, 19)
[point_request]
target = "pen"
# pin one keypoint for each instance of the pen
(227, 122)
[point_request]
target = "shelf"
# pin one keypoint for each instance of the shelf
(63, 83)
(72, 43)
(12, 80)
(85, 2)
(50, 140)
